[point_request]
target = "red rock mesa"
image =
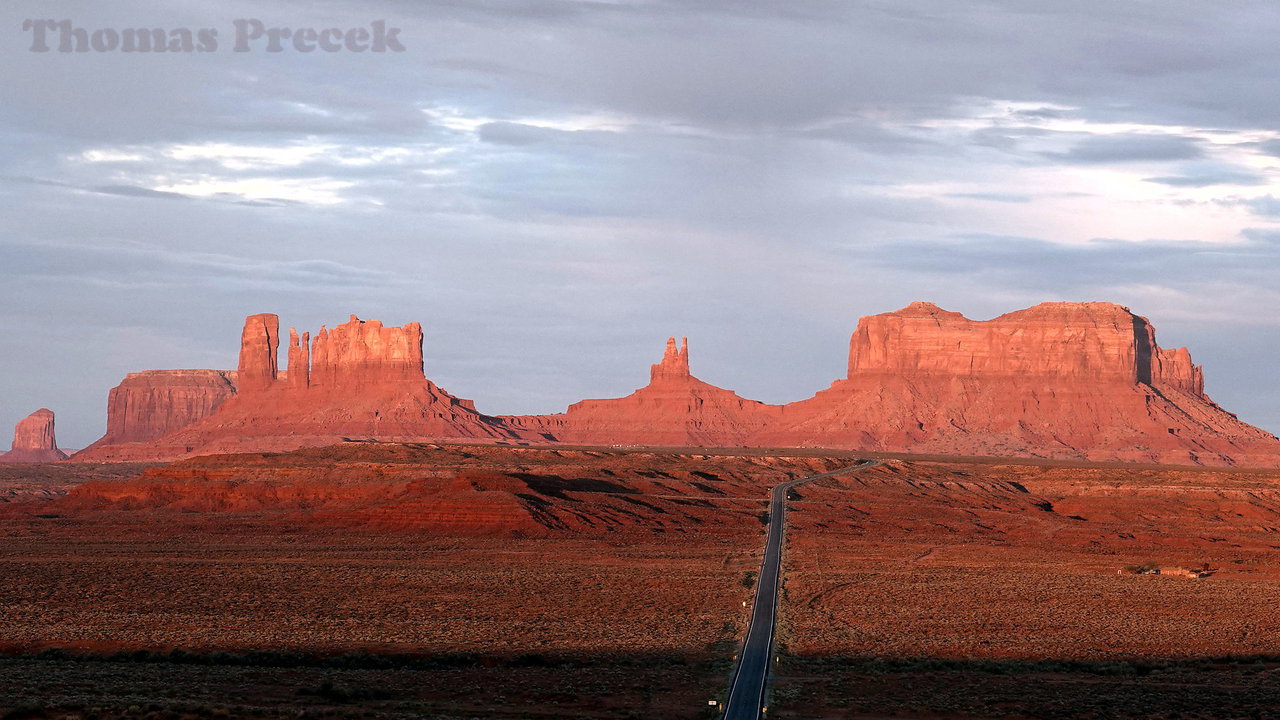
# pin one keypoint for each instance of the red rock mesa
(146, 405)
(1058, 380)
(1066, 380)
(34, 440)
(359, 380)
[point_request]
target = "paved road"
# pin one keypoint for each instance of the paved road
(750, 677)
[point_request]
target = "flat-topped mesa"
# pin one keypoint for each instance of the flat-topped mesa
(1100, 342)
(148, 404)
(675, 362)
(1064, 380)
(34, 439)
(259, 346)
(359, 352)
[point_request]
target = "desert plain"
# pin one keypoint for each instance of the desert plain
(490, 581)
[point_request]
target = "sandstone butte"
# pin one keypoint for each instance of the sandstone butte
(359, 380)
(675, 409)
(1061, 380)
(1058, 380)
(34, 440)
(149, 404)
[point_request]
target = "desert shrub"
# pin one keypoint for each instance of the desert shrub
(531, 660)
(785, 693)
(22, 712)
(333, 692)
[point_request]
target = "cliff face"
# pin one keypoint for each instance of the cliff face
(364, 353)
(1054, 342)
(259, 352)
(146, 405)
(1069, 380)
(34, 439)
(354, 355)
(359, 380)
(1059, 380)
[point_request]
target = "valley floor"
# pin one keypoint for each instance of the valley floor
(594, 584)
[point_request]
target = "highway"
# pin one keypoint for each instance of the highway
(751, 676)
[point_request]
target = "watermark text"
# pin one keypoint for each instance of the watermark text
(246, 35)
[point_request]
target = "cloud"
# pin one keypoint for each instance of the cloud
(1267, 205)
(133, 191)
(877, 138)
(1129, 148)
(1005, 197)
(1029, 263)
(509, 133)
(1270, 147)
(132, 264)
(1207, 177)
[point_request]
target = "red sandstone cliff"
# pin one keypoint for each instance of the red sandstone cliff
(1090, 342)
(359, 380)
(1063, 380)
(674, 409)
(1068, 380)
(34, 440)
(147, 405)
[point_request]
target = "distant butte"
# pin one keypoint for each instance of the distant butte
(675, 409)
(1058, 380)
(1061, 380)
(147, 405)
(34, 440)
(358, 381)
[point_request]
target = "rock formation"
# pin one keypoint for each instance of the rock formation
(34, 440)
(1058, 380)
(675, 409)
(147, 405)
(1093, 342)
(359, 380)
(364, 353)
(259, 356)
(299, 372)
(1066, 380)
(674, 365)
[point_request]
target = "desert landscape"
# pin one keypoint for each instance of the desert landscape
(563, 583)
(463, 580)
(940, 588)
(343, 537)
(598, 359)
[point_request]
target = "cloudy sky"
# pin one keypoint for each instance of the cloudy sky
(553, 187)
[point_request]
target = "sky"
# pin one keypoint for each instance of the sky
(552, 188)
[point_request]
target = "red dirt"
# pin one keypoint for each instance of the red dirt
(460, 490)
(943, 560)
(407, 547)
(916, 589)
